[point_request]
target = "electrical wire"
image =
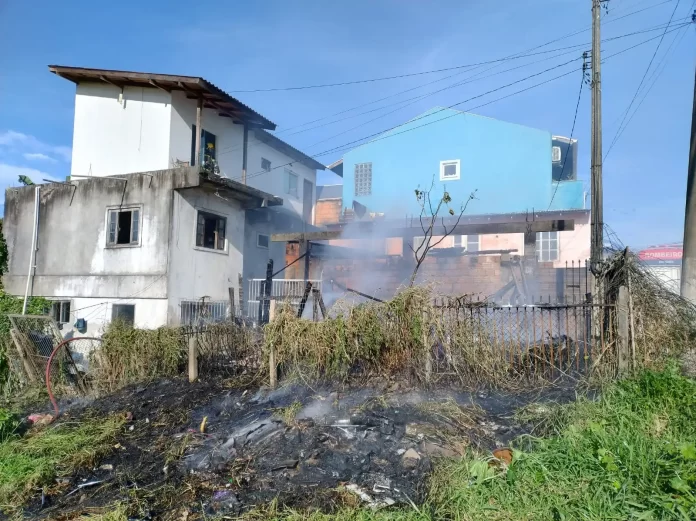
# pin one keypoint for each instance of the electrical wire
(570, 140)
(616, 136)
(399, 76)
(348, 145)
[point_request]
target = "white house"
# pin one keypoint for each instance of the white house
(146, 228)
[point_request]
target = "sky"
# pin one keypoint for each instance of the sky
(265, 44)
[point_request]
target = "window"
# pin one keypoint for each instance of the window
(60, 311)
(555, 154)
(363, 179)
(469, 242)
(124, 313)
(418, 241)
(547, 246)
(290, 183)
(124, 227)
(265, 165)
(208, 148)
(210, 231)
(262, 240)
(449, 170)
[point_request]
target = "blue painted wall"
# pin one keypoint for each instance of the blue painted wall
(509, 165)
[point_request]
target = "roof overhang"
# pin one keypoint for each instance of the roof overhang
(248, 196)
(288, 150)
(336, 167)
(195, 87)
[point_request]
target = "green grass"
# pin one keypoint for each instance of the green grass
(37, 459)
(630, 455)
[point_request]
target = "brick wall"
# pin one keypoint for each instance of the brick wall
(327, 211)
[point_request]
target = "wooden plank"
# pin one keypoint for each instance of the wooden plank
(623, 328)
(272, 366)
(31, 371)
(462, 229)
(193, 358)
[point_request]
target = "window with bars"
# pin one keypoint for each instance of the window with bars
(124, 227)
(196, 312)
(547, 246)
(363, 179)
(60, 311)
(210, 231)
(124, 313)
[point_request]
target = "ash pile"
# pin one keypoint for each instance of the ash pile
(316, 448)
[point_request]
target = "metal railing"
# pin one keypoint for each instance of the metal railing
(290, 290)
(198, 312)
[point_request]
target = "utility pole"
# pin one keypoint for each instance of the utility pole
(597, 211)
(688, 273)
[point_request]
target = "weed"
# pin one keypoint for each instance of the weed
(289, 413)
(449, 411)
(9, 423)
(114, 512)
(37, 459)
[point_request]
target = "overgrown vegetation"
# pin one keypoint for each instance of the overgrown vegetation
(13, 305)
(38, 458)
(129, 355)
(380, 337)
(629, 455)
(9, 423)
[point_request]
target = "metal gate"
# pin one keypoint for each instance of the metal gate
(284, 290)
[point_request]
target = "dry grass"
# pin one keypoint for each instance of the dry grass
(289, 413)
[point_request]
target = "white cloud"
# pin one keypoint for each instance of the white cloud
(26, 143)
(38, 156)
(9, 175)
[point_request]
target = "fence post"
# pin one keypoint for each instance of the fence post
(623, 339)
(427, 348)
(193, 357)
(273, 369)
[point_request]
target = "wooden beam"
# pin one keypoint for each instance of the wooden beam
(357, 230)
(199, 130)
(106, 80)
(155, 84)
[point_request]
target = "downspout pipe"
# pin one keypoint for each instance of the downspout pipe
(32, 256)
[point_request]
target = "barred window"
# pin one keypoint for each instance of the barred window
(547, 246)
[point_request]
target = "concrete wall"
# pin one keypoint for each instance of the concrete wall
(199, 272)
(73, 259)
(509, 165)
(149, 314)
(112, 137)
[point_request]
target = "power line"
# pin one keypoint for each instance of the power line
(347, 145)
(656, 75)
(570, 140)
(616, 136)
(415, 99)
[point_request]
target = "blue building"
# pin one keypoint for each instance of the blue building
(512, 168)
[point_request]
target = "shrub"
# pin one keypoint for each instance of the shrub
(9, 423)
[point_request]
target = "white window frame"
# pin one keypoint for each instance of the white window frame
(63, 316)
(556, 154)
(116, 210)
(462, 241)
(544, 252)
(455, 162)
(268, 239)
(115, 306)
(195, 232)
(289, 174)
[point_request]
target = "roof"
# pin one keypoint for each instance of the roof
(336, 167)
(239, 191)
(194, 86)
(288, 150)
(329, 192)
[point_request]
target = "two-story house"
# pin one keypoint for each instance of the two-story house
(517, 173)
(175, 188)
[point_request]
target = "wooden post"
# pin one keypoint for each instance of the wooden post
(193, 358)
(29, 368)
(233, 311)
(315, 306)
(267, 292)
(623, 340)
(199, 131)
(633, 324)
(427, 348)
(273, 369)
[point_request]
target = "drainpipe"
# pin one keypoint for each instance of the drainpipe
(245, 146)
(32, 256)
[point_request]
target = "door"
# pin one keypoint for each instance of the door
(307, 201)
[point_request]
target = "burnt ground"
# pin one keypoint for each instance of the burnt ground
(303, 446)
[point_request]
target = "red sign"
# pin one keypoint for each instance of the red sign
(663, 255)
